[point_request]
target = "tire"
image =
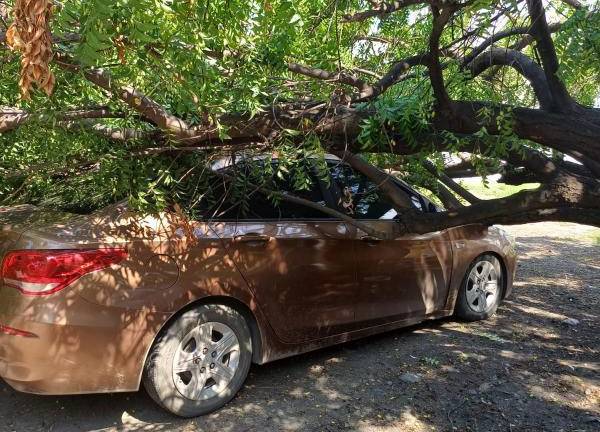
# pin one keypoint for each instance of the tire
(478, 300)
(200, 361)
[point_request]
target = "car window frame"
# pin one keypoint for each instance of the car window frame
(331, 195)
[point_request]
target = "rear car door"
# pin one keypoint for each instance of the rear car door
(400, 278)
(298, 263)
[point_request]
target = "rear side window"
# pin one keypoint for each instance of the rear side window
(241, 200)
(361, 198)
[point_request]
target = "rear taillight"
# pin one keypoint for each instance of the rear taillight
(16, 332)
(43, 272)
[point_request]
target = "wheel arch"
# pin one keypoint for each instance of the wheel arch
(245, 311)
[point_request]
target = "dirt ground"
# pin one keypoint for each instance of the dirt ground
(523, 370)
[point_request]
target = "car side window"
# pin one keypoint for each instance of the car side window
(244, 202)
(361, 198)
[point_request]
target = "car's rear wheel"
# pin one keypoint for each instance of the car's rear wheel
(200, 361)
(481, 290)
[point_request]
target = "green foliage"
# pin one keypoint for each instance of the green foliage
(578, 47)
(201, 59)
(410, 116)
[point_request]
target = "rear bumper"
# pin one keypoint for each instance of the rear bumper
(77, 347)
(59, 361)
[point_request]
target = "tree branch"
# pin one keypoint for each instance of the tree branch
(397, 73)
(561, 132)
(562, 101)
(447, 197)
(436, 76)
(502, 35)
(573, 3)
(465, 168)
(521, 63)
(11, 118)
(400, 200)
(147, 107)
(384, 8)
(116, 133)
(522, 43)
(63, 38)
(566, 195)
(342, 77)
(458, 189)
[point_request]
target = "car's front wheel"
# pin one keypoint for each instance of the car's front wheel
(200, 361)
(481, 290)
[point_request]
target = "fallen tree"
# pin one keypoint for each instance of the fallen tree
(480, 82)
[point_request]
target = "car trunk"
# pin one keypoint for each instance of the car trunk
(15, 220)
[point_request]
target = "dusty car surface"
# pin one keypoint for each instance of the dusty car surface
(107, 301)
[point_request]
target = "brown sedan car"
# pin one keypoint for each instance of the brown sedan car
(103, 302)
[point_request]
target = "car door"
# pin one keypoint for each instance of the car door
(400, 278)
(299, 264)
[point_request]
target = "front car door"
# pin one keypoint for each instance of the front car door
(299, 264)
(397, 279)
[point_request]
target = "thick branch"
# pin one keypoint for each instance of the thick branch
(462, 192)
(552, 202)
(502, 35)
(521, 63)
(397, 73)
(562, 101)
(385, 182)
(436, 76)
(590, 166)
(447, 197)
(561, 132)
(522, 43)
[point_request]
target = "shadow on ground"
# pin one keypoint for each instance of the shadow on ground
(523, 370)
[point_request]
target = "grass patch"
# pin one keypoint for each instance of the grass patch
(430, 361)
(595, 237)
(493, 188)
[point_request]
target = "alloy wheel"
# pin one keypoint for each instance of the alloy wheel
(482, 286)
(206, 361)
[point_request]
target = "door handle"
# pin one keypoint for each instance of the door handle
(370, 239)
(252, 238)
